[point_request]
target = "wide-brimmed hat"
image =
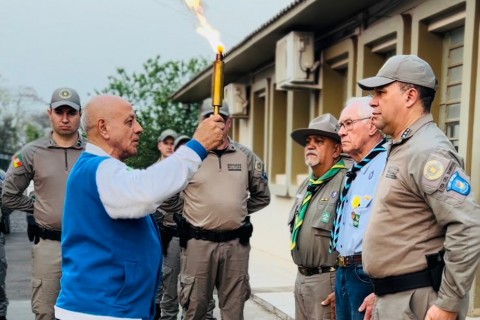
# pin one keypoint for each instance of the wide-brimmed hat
(403, 68)
(324, 125)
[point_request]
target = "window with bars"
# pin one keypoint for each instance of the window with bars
(452, 84)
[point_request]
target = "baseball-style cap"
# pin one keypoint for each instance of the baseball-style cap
(65, 97)
(324, 125)
(182, 139)
(208, 109)
(167, 133)
(404, 68)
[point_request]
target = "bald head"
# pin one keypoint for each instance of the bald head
(111, 124)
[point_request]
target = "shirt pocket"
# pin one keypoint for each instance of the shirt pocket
(325, 217)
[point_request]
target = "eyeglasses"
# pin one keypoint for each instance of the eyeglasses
(348, 124)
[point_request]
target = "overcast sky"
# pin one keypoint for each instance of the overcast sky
(47, 44)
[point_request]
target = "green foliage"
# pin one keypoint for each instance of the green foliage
(150, 92)
(17, 126)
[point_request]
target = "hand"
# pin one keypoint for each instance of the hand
(368, 305)
(210, 132)
(32, 232)
(330, 300)
(436, 313)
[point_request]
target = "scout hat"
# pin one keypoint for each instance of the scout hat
(65, 97)
(324, 125)
(167, 133)
(404, 68)
(180, 140)
(208, 109)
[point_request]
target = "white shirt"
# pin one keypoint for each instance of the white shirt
(134, 193)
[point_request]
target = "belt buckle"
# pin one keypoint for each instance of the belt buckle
(302, 270)
(341, 261)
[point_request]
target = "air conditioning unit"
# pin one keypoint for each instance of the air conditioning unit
(294, 59)
(235, 95)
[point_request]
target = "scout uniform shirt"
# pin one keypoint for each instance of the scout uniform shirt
(424, 204)
(313, 239)
(358, 206)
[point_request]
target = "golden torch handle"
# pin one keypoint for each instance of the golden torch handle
(217, 83)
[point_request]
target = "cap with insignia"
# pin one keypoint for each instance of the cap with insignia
(65, 97)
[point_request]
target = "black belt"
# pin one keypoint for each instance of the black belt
(214, 236)
(170, 231)
(347, 261)
(48, 234)
(310, 271)
(409, 281)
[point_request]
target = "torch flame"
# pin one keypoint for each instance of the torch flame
(205, 29)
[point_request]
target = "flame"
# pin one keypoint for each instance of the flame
(205, 29)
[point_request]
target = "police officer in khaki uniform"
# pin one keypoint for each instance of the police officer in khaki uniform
(312, 216)
(47, 161)
(422, 245)
(165, 145)
(166, 300)
(214, 234)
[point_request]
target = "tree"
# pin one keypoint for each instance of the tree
(16, 126)
(150, 92)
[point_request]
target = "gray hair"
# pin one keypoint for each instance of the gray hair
(363, 103)
(84, 120)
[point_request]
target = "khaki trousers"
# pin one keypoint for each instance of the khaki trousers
(409, 305)
(46, 274)
(310, 292)
(206, 265)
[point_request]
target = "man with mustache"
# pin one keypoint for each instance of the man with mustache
(312, 216)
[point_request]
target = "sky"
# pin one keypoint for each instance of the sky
(45, 44)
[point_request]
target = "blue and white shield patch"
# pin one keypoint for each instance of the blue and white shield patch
(458, 184)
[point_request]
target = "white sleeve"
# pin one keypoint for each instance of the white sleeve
(134, 193)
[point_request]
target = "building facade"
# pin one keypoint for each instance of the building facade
(306, 61)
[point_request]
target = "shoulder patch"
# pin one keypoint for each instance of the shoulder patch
(17, 161)
(436, 172)
(458, 184)
(433, 170)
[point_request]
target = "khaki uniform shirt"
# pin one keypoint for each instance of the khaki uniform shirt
(313, 240)
(167, 209)
(424, 204)
(225, 189)
(48, 165)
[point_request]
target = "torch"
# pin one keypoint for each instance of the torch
(217, 81)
